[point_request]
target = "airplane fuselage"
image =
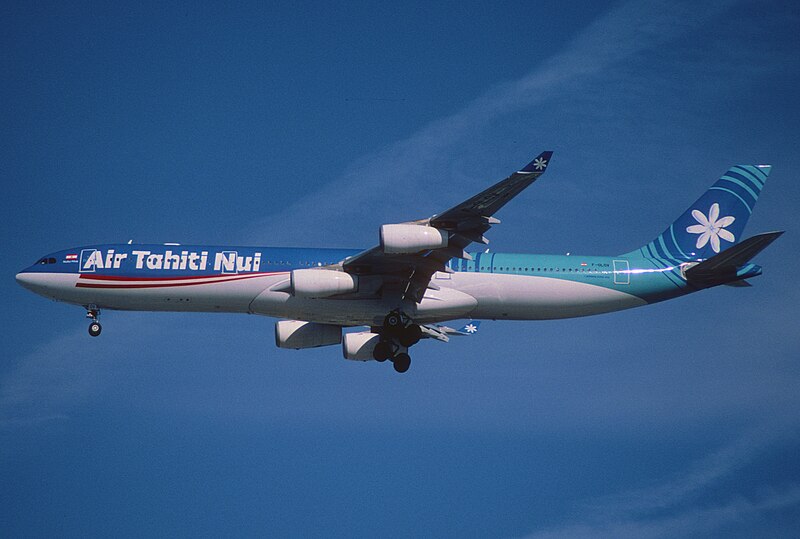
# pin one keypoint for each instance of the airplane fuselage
(254, 280)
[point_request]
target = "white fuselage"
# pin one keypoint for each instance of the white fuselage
(458, 295)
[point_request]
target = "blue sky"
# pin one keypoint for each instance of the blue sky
(301, 124)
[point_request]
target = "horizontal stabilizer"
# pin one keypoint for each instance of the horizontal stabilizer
(739, 284)
(729, 265)
(738, 255)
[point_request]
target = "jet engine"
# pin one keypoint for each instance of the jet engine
(321, 283)
(397, 239)
(359, 346)
(296, 334)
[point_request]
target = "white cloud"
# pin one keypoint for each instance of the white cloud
(671, 509)
(694, 522)
(52, 378)
(395, 176)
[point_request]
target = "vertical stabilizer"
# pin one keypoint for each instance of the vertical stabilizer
(714, 222)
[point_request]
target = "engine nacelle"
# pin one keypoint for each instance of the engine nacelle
(321, 283)
(397, 239)
(359, 346)
(296, 334)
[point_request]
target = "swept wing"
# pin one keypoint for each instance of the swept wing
(409, 273)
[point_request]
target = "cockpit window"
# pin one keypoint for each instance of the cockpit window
(46, 260)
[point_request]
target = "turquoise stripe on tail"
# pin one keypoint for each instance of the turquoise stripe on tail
(714, 222)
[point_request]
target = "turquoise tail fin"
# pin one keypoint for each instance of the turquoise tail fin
(714, 222)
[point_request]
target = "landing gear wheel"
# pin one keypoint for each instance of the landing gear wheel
(401, 362)
(93, 314)
(393, 322)
(411, 335)
(382, 351)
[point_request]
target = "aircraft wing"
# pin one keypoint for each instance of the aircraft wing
(407, 270)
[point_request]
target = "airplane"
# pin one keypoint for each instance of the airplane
(419, 276)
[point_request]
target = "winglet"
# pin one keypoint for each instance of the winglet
(539, 164)
(470, 328)
(443, 333)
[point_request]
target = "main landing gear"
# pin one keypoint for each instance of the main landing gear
(397, 335)
(93, 313)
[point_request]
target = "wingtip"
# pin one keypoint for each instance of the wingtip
(470, 328)
(539, 163)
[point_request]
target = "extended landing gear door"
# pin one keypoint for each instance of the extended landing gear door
(622, 273)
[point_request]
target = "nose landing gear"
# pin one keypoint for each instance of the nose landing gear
(93, 313)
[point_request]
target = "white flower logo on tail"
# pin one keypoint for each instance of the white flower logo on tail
(711, 228)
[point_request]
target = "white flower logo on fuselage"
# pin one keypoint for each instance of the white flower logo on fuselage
(711, 228)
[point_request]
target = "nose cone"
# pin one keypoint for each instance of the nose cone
(38, 282)
(27, 280)
(49, 284)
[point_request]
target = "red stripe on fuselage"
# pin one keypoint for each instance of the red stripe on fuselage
(95, 277)
(166, 285)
